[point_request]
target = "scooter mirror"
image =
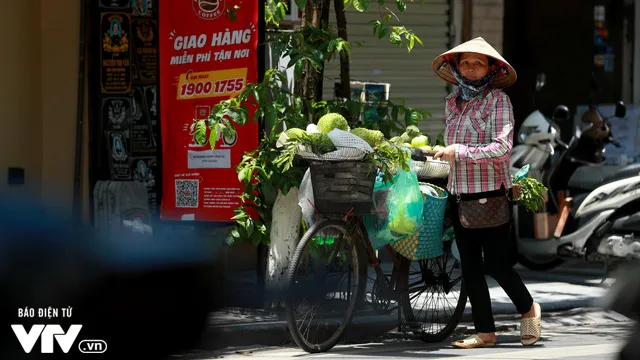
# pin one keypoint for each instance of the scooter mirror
(576, 135)
(541, 80)
(621, 110)
(560, 114)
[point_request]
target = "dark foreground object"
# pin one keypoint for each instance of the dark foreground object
(145, 296)
(624, 298)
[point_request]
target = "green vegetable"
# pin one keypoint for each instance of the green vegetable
(294, 133)
(321, 143)
(332, 121)
(406, 138)
(412, 130)
(531, 194)
(420, 141)
(401, 224)
(372, 137)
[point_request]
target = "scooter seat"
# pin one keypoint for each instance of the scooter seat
(588, 178)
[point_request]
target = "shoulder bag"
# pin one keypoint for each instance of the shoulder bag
(484, 213)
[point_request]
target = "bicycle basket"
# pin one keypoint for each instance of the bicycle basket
(426, 242)
(340, 186)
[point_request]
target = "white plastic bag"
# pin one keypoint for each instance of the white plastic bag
(305, 200)
(345, 139)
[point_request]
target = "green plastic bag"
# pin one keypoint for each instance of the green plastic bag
(377, 223)
(521, 174)
(405, 203)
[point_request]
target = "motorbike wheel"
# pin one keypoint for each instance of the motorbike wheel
(535, 263)
(538, 263)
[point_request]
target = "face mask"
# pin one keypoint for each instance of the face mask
(468, 89)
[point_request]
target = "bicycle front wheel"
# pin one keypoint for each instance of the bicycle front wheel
(325, 280)
(433, 295)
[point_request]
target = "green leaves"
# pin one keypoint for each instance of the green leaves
(361, 5)
(388, 157)
(531, 194)
(395, 39)
(268, 170)
(276, 10)
(213, 136)
(379, 28)
(396, 33)
(231, 13)
(260, 178)
(201, 132)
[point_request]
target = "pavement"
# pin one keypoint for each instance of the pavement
(569, 287)
(584, 334)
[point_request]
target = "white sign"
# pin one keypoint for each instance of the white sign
(209, 159)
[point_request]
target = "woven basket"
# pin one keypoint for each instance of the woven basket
(426, 243)
(339, 187)
(431, 169)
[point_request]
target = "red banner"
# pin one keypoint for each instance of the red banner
(204, 58)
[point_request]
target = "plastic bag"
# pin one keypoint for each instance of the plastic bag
(405, 203)
(305, 200)
(377, 223)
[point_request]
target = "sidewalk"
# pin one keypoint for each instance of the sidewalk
(589, 335)
(242, 327)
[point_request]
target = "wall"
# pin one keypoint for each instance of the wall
(487, 21)
(561, 46)
(39, 98)
(21, 122)
(59, 103)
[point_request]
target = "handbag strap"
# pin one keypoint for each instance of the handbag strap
(505, 192)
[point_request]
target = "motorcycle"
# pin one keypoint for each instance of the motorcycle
(537, 140)
(596, 222)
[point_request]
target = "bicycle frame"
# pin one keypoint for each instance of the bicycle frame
(374, 261)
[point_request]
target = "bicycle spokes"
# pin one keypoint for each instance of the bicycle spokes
(325, 284)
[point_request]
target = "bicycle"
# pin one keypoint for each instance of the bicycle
(350, 248)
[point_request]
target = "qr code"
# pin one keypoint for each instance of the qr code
(187, 193)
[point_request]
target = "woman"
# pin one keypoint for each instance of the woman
(479, 137)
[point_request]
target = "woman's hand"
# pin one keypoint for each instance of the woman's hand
(447, 154)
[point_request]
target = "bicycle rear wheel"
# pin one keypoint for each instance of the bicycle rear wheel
(325, 279)
(433, 295)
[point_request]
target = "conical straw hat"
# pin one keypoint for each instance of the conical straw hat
(480, 46)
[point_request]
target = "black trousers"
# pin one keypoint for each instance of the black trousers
(495, 244)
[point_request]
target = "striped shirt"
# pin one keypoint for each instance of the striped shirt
(483, 131)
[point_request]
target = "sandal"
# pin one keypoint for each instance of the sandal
(472, 342)
(531, 328)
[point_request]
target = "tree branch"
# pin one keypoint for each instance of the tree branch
(345, 77)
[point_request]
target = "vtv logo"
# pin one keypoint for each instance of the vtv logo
(46, 333)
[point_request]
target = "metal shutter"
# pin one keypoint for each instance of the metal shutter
(409, 74)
